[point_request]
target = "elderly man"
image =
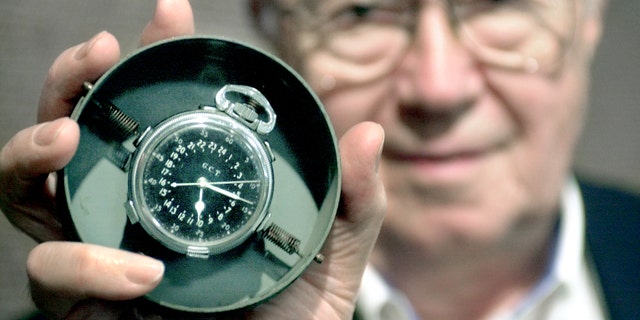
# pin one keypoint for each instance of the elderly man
(481, 102)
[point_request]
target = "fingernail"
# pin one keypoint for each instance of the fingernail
(47, 132)
(86, 47)
(143, 270)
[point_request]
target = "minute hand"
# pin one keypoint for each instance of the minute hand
(226, 193)
(200, 183)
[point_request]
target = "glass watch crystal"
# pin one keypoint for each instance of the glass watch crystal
(201, 181)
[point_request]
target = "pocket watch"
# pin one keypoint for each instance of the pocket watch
(181, 158)
(201, 181)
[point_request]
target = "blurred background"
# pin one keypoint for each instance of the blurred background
(34, 32)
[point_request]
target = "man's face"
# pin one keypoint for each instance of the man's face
(472, 151)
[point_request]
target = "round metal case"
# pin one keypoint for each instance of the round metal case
(181, 159)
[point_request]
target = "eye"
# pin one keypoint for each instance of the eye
(351, 15)
(355, 15)
(492, 3)
(469, 8)
(477, 2)
(360, 11)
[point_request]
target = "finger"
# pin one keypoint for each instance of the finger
(328, 290)
(171, 18)
(65, 277)
(25, 163)
(74, 66)
(363, 203)
(362, 210)
(40, 149)
(360, 150)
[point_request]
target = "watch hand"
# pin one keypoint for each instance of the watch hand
(182, 184)
(200, 204)
(232, 182)
(203, 183)
(227, 193)
(199, 183)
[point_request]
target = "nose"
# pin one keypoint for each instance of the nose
(438, 74)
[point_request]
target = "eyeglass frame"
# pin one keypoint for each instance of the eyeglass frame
(518, 62)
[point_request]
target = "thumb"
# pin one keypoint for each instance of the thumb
(328, 290)
(171, 18)
(363, 202)
(362, 189)
(64, 276)
(362, 210)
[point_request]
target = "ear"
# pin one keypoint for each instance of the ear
(273, 23)
(254, 8)
(264, 17)
(594, 12)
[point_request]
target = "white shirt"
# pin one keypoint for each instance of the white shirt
(569, 290)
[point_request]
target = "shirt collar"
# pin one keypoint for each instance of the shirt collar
(569, 253)
(379, 301)
(566, 253)
(570, 288)
(565, 263)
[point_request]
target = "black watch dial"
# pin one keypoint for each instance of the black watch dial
(200, 182)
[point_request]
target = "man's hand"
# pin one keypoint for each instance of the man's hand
(79, 281)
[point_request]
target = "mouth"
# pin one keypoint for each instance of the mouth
(439, 166)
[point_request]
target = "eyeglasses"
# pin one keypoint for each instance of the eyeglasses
(370, 36)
